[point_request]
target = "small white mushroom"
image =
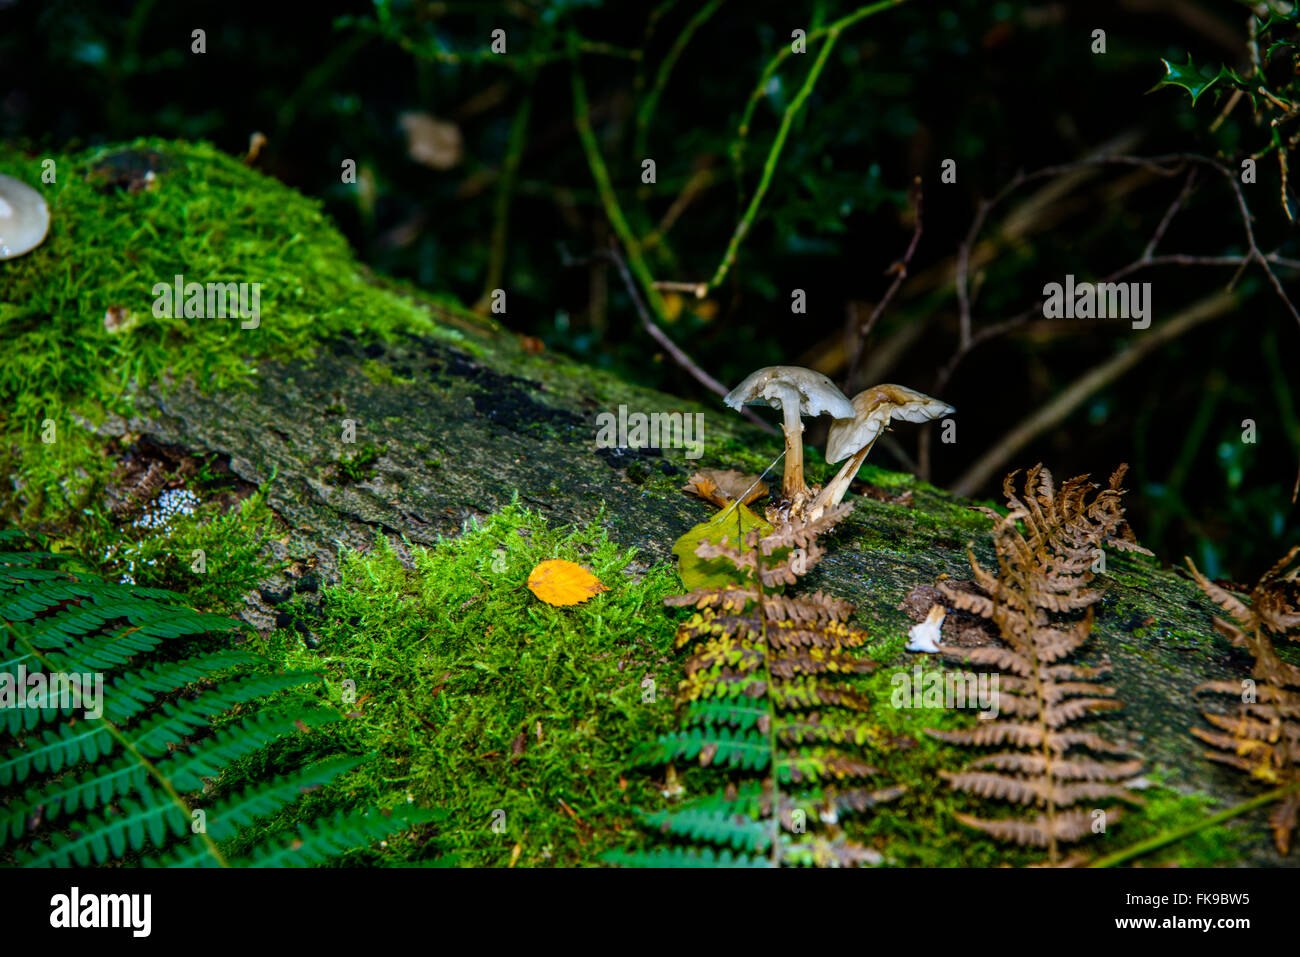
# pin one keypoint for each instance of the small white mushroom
(796, 392)
(853, 436)
(24, 218)
(925, 635)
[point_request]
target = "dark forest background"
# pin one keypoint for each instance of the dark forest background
(435, 123)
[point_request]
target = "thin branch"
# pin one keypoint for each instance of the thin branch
(1158, 165)
(773, 155)
(1054, 412)
(1170, 213)
(831, 34)
(700, 181)
(678, 354)
(505, 189)
(769, 71)
(899, 271)
(645, 114)
(1177, 834)
(527, 63)
(605, 189)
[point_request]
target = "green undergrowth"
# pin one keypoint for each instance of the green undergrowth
(206, 217)
(478, 699)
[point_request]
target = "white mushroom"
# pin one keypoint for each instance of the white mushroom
(925, 635)
(24, 217)
(853, 436)
(796, 392)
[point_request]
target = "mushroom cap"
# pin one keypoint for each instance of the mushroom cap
(24, 217)
(769, 386)
(872, 412)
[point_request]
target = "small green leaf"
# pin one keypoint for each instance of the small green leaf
(733, 523)
(1188, 77)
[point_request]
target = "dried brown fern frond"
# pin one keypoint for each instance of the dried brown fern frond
(1042, 606)
(1262, 738)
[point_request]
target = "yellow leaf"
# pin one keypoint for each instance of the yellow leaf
(558, 582)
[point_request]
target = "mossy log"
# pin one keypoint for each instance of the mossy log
(454, 419)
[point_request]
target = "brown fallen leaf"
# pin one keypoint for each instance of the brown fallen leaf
(517, 747)
(724, 486)
(559, 582)
(432, 142)
(514, 854)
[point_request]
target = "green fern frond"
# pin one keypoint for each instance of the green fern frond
(718, 746)
(318, 842)
(684, 857)
(224, 819)
(137, 688)
(102, 838)
(113, 777)
(739, 714)
(714, 822)
(90, 739)
(208, 757)
(770, 690)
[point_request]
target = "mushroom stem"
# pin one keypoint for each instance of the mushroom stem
(792, 482)
(836, 488)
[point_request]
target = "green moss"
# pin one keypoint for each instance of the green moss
(381, 374)
(356, 465)
(477, 698)
(206, 217)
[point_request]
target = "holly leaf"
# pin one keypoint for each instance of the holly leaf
(1187, 77)
(558, 582)
(732, 523)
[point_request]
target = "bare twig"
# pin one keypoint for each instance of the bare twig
(1166, 165)
(1158, 165)
(678, 354)
(1170, 213)
(697, 289)
(899, 271)
(1099, 376)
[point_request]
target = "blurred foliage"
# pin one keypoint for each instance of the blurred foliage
(997, 86)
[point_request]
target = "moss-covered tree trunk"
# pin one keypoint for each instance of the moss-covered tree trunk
(412, 437)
